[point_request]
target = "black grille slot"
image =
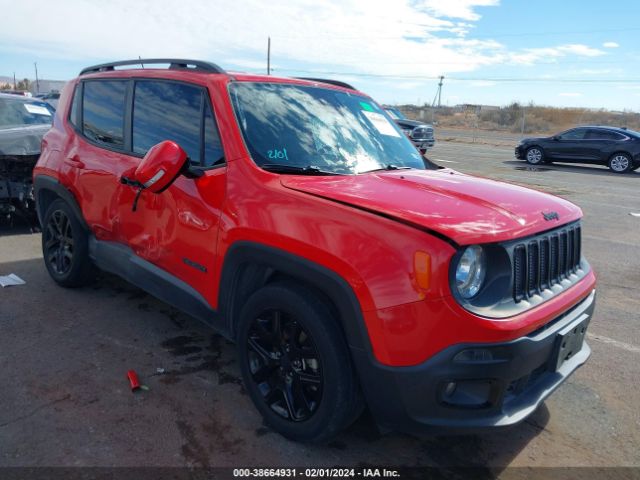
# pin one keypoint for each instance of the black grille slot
(553, 259)
(545, 261)
(570, 247)
(562, 255)
(519, 278)
(576, 250)
(532, 268)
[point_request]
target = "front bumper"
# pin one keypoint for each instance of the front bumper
(520, 152)
(423, 143)
(511, 384)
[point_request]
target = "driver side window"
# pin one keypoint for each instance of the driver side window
(575, 134)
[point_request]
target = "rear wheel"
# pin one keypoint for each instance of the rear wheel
(65, 247)
(620, 163)
(296, 365)
(534, 156)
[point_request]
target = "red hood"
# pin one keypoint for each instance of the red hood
(465, 209)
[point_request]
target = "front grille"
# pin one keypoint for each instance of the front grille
(422, 133)
(545, 261)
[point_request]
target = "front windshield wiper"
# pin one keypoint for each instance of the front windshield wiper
(388, 166)
(294, 169)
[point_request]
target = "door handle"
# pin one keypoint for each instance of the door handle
(75, 161)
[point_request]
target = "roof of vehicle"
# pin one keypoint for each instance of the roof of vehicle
(199, 67)
(604, 127)
(21, 98)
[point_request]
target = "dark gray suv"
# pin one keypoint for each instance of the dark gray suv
(421, 134)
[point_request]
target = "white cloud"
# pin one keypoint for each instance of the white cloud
(464, 9)
(610, 45)
(579, 49)
(308, 37)
(356, 35)
(530, 56)
(570, 94)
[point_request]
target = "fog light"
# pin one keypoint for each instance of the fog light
(449, 389)
(467, 393)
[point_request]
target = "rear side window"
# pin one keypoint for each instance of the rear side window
(103, 112)
(604, 135)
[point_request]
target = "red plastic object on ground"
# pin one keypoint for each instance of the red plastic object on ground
(133, 380)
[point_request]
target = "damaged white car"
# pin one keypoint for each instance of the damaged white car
(23, 123)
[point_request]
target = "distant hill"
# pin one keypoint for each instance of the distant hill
(537, 119)
(45, 84)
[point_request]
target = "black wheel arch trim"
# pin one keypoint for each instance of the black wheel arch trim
(333, 286)
(45, 183)
(324, 280)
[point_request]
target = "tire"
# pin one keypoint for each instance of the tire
(620, 163)
(534, 156)
(65, 247)
(296, 365)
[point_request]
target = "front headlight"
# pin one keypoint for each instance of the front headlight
(470, 271)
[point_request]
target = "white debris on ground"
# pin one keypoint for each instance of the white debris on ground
(10, 280)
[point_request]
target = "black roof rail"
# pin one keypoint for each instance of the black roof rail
(174, 64)
(329, 81)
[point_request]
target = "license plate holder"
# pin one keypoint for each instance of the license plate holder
(570, 340)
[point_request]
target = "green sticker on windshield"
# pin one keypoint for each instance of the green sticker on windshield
(366, 106)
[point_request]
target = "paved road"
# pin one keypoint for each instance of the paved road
(64, 354)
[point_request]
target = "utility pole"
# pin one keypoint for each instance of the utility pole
(35, 64)
(15, 87)
(523, 112)
(268, 55)
(438, 94)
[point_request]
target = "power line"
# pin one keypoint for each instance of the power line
(468, 79)
(433, 30)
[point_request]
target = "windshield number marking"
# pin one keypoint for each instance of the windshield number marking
(278, 154)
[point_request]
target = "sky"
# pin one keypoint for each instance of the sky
(565, 53)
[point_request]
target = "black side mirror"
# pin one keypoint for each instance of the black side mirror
(556, 137)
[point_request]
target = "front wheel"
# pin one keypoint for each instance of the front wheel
(535, 156)
(296, 365)
(620, 163)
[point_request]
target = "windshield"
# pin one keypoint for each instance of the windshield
(17, 112)
(328, 130)
(395, 114)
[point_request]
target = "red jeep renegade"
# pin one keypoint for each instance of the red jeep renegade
(294, 217)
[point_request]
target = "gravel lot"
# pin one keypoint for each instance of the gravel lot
(64, 398)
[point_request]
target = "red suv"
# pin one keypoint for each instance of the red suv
(297, 219)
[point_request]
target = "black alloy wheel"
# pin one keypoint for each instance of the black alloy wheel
(285, 365)
(295, 362)
(65, 247)
(58, 243)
